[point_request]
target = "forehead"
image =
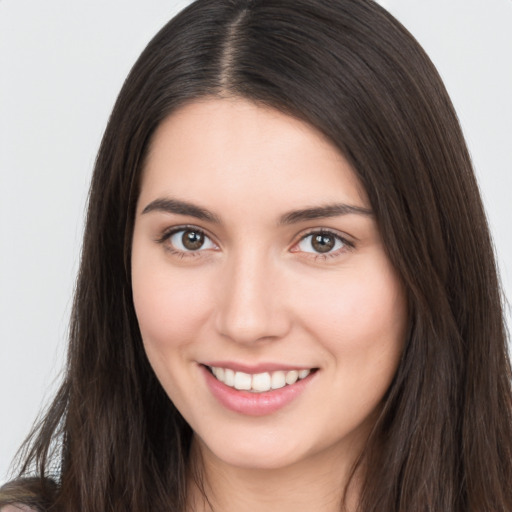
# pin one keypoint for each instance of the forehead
(226, 151)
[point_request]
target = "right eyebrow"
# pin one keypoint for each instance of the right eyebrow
(181, 208)
(323, 212)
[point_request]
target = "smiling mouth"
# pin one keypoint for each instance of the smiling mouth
(258, 382)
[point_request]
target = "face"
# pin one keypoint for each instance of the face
(268, 308)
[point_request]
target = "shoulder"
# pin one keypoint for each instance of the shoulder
(27, 494)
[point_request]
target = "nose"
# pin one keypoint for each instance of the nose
(251, 304)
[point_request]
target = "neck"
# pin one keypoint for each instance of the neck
(317, 483)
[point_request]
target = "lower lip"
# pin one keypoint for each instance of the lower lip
(254, 404)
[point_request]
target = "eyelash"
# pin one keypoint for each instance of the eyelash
(347, 245)
(167, 234)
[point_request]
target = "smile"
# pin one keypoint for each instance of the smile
(259, 382)
(257, 393)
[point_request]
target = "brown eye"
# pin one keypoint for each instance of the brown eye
(190, 240)
(323, 242)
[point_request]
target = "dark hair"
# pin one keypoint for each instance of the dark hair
(113, 441)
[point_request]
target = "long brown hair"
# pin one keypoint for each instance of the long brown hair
(112, 440)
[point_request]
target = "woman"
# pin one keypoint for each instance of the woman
(287, 295)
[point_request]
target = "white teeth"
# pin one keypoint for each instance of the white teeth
(304, 373)
(278, 380)
(243, 381)
(291, 377)
(259, 382)
(229, 377)
(219, 373)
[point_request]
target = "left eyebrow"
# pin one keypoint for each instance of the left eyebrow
(169, 205)
(323, 212)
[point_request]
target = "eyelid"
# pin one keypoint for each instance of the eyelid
(346, 240)
(169, 232)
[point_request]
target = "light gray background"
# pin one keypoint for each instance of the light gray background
(62, 64)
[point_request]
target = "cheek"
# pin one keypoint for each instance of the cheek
(170, 311)
(362, 320)
(170, 307)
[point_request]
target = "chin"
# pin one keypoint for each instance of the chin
(264, 452)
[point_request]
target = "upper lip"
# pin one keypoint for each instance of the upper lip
(256, 368)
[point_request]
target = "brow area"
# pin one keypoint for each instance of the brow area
(168, 205)
(179, 207)
(323, 212)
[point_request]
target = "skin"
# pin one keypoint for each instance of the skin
(257, 292)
